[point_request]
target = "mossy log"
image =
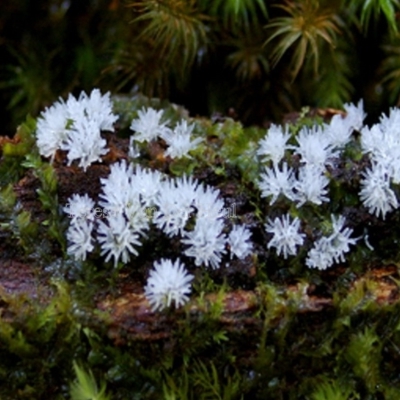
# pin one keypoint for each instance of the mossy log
(128, 315)
(265, 328)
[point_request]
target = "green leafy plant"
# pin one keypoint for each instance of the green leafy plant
(14, 152)
(307, 24)
(45, 172)
(333, 85)
(390, 68)
(176, 27)
(207, 54)
(85, 387)
(372, 10)
(29, 81)
(210, 384)
(249, 59)
(332, 390)
(363, 353)
(236, 12)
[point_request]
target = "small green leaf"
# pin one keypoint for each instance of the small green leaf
(85, 388)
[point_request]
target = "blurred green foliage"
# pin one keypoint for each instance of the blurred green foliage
(257, 59)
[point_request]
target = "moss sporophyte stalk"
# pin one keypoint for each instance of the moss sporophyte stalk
(212, 231)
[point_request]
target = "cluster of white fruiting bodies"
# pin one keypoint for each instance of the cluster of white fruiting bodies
(134, 200)
(317, 148)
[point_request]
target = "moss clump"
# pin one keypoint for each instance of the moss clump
(277, 341)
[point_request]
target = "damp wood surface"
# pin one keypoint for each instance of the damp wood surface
(128, 315)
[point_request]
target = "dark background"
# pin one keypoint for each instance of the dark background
(50, 48)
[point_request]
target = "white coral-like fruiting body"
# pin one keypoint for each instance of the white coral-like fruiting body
(286, 236)
(122, 193)
(311, 185)
(83, 142)
(175, 205)
(98, 108)
(355, 114)
(275, 181)
(331, 249)
(79, 236)
(180, 141)
(239, 242)
(340, 127)
(168, 283)
(51, 129)
(273, 146)
(376, 193)
(116, 188)
(75, 126)
(147, 184)
(148, 125)
(206, 243)
(314, 147)
(338, 131)
(208, 203)
(373, 142)
(117, 239)
(382, 143)
(80, 207)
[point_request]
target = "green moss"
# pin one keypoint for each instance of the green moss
(292, 354)
(13, 153)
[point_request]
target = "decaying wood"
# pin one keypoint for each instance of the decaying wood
(128, 314)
